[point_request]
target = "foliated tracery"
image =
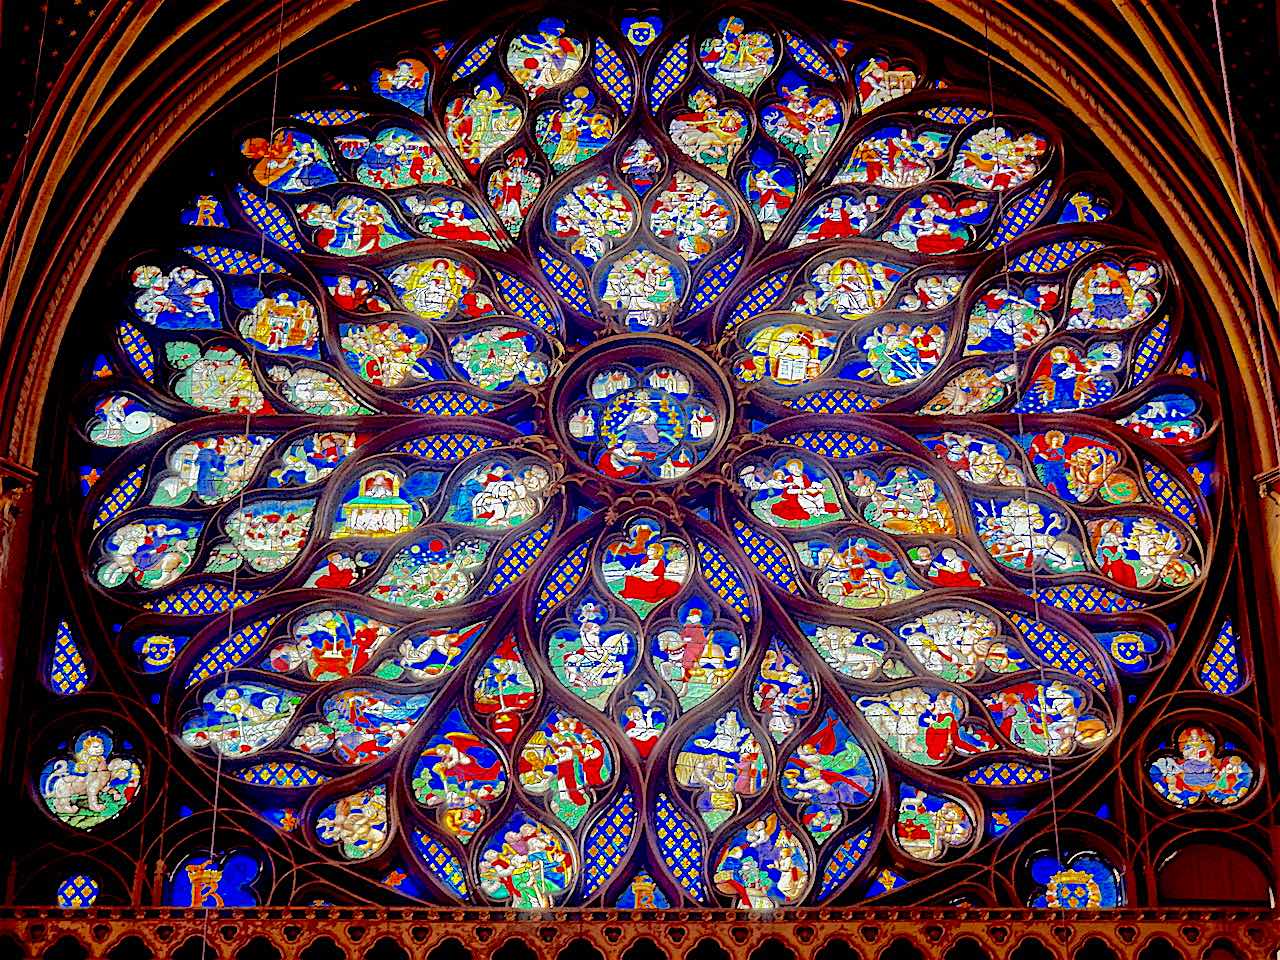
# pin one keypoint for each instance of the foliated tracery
(688, 459)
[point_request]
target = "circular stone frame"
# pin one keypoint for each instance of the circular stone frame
(638, 350)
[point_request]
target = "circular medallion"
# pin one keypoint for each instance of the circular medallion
(642, 409)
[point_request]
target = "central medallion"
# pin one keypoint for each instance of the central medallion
(642, 409)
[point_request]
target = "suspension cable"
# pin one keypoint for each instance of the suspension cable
(1246, 222)
(248, 421)
(1006, 282)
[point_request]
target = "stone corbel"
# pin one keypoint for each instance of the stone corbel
(1269, 485)
(15, 484)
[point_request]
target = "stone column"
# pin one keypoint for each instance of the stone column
(15, 526)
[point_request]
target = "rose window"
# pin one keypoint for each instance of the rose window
(645, 463)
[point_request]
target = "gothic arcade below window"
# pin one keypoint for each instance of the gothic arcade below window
(643, 462)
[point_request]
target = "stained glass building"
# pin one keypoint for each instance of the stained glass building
(654, 481)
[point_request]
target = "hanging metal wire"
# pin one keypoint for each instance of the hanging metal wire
(1246, 223)
(248, 422)
(1026, 483)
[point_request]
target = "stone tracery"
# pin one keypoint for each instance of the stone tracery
(895, 517)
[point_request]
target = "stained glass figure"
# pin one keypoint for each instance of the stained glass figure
(405, 83)
(769, 186)
(928, 826)
(460, 775)
(91, 783)
(783, 691)
(1196, 772)
(544, 58)
(708, 133)
(526, 865)
(565, 759)
(720, 764)
(764, 866)
(695, 655)
(591, 656)
(512, 190)
(358, 825)
(830, 774)
(643, 569)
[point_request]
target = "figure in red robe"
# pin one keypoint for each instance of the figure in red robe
(694, 637)
(579, 760)
(462, 766)
(622, 461)
(455, 225)
(859, 556)
(801, 498)
(339, 573)
(649, 583)
(838, 223)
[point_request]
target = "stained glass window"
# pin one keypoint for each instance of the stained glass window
(643, 462)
